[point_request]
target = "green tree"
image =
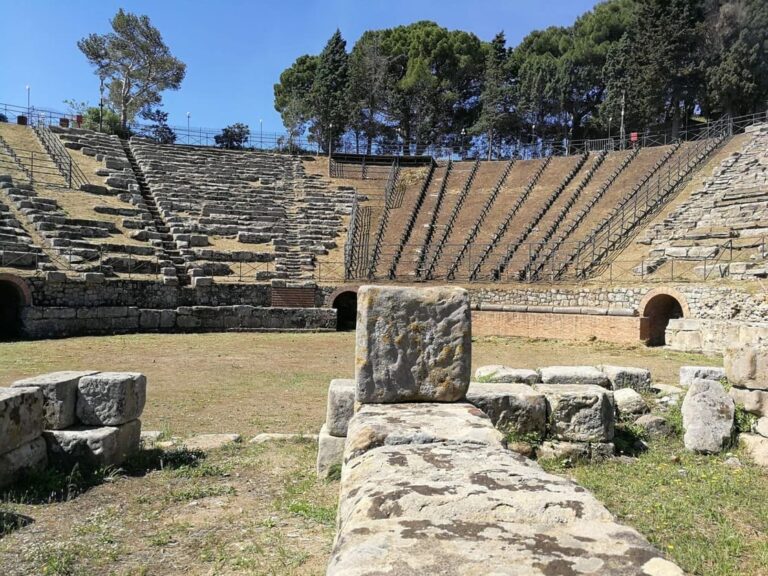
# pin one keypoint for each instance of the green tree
(292, 95)
(134, 63)
(329, 92)
(233, 136)
(366, 96)
(158, 129)
(495, 98)
(737, 46)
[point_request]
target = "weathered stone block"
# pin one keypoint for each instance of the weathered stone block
(21, 417)
(24, 459)
(111, 398)
(655, 426)
(707, 417)
(690, 373)
(747, 366)
(629, 403)
(461, 509)
(376, 425)
(59, 396)
(340, 406)
(92, 447)
(579, 413)
(413, 344)
(202, 281)
(585, 375)
(515, 409)
(753, 401)
(497, 373)
(757, 447)
(330, 453)
(638, 379)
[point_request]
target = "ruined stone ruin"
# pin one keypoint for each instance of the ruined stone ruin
(428, 484)
(68, 419)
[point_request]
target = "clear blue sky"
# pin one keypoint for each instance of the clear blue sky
(234, 49)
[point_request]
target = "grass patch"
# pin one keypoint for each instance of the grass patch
(708, 517)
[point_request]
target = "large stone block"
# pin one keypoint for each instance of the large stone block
(629, 403)
(579, 413)
(24, 459)
(757, 447)
(376, 425)
(515, 409)
(585, 375)
(747, 366)
(340, 407)
(461, 509)
(93, 447)
(21, 417)
(111, 398)
(753, 401)
(639, 379)
(707, 417)
(497, 373)
(690, 373)
(59, 396)
(330, 453)
(413, 344)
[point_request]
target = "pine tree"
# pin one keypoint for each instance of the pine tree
(494, 99)
(329, 92)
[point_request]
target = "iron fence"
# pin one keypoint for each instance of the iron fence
(77, 260)
(532, 146)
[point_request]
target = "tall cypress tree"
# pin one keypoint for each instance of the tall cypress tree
(494, 98)
(329, 92)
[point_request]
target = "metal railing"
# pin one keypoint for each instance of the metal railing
(58, 153)
(37, 167)
(73, 260)
(529, 146)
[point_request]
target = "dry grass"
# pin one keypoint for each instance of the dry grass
(250, 383)
(250, 509)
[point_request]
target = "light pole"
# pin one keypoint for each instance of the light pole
(463, 134)
(533, 137)
(621, 132)
(261, 134)
(101, 102)
(188, 115)
(398, 141)
(330, 138)
(29, 119)
(610, 119)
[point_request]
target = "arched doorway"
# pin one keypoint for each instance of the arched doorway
(10, 311)
(658, 310)
(346, 307)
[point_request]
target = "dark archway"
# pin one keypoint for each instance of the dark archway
(346, 307)
(10, 311)
(659, 310)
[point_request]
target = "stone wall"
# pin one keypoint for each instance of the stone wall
(85, 419)
(57, 322)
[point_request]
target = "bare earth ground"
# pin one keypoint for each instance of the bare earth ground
(250, 509)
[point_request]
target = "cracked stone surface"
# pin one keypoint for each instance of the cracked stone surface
(412, 344)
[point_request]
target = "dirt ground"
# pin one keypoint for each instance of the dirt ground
(244, 509)
(252, 383)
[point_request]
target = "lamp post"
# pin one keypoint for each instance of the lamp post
(330, 138)
(398, 141)
(610, 119)
(188, 115)
(533, 137)
(28, 107)
(463, 134)
(101, 102)
(261, 134)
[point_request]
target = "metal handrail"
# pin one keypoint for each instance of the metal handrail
(69, 169)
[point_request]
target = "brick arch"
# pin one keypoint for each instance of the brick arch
(657, 308)
(21, 286)
(676, 294)
(340, 290)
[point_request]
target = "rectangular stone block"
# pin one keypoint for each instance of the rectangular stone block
(21, 417)
(92, 447)
(376, 425)
(25, 459)
(496, 373)
(515, 409)
(753, 401)
(747, 366)
(341, 406)
(639, 379)
(462, 509)
(59, 396)
(584, 375)
(690, 373)
(412, 344)
(330, 453)
(111, 398)
(579, 413)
